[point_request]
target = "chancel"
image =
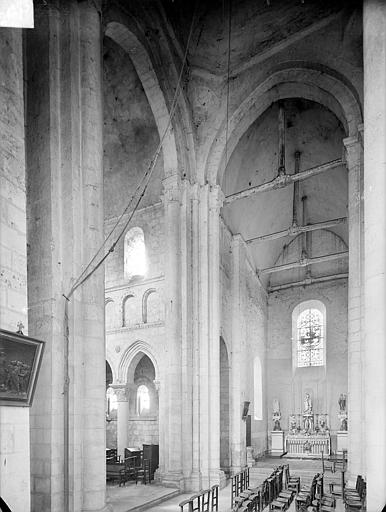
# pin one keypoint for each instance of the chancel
(193, 221)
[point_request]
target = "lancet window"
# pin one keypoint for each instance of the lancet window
(143, 399)
(134, 254)
(310, 337)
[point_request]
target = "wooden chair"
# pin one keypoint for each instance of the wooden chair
(186, 503)
(327, 464)
(337, 488)
(292, 483)
(196, 502)
(143, 472)
(205, 500)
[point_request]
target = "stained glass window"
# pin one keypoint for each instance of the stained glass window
(310, 338)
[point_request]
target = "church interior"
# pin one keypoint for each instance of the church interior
(193, 223)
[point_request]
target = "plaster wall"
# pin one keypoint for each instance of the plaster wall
(151, 221)
(14, 421)
(130, 136)
(251, 336)
(325, 383)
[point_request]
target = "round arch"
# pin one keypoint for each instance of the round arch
(132, 356)
(297, 81)
(147, 75)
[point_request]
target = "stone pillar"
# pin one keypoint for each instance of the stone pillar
(355, 289)
(216, 199)
(122, 418)
(374, 58)
(65, 207)
(93, 335)
(14, 421)
(172, 452)
(238, 442)
(196, 480)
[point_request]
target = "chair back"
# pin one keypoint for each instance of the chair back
(214, 498)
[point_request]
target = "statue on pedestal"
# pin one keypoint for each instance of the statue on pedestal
(276, 415)
(342, 415)
(308, 416)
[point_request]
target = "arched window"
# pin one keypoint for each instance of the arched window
(134, 254)
(258, 389)
(309, 333)
(109, 314)
(143, 399)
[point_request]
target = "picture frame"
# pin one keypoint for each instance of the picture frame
(20, 360)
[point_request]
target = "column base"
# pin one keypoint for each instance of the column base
(217, 477)
(194, 482)
(173, 479)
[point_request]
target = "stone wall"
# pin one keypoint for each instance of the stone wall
(130, 133)
(14, 421)
(325, 383)
(142, 431)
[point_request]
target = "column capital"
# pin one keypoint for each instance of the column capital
(157, 385)
(120, 392)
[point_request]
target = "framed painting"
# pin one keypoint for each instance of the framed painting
(20, 359)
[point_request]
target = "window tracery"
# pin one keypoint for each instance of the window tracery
(310, 338)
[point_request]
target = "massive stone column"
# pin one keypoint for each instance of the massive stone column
(216, 198)
(238, 442)
(374, 58)
(354, 153)
(65, 229)
(172, 451)
(14, 421)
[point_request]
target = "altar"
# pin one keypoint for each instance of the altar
(308, 436)
(308, 445)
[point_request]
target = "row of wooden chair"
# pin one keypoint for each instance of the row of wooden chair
(282, 488)
(240, 482)
(203, 501)
(277, 491)
(314, 499)
(354, 498)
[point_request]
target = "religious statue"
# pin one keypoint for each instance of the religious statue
(342, 415)
(323, 423)
(342, 402)
(307, 404)
(292, 424)
(276, 415)
(308, 417)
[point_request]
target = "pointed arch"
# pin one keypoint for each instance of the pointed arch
(131, 355)
(148, 77)
(292, 80)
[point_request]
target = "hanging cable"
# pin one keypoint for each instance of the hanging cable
(142, 183)
(228, 75)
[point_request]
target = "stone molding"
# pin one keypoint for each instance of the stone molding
(120, 392)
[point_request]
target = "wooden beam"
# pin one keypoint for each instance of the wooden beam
(295, 230)
(307, 281)
(284, 180)
(304, 262)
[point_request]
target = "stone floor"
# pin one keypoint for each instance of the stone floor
(156, 498)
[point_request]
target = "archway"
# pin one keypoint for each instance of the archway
(225, 461)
